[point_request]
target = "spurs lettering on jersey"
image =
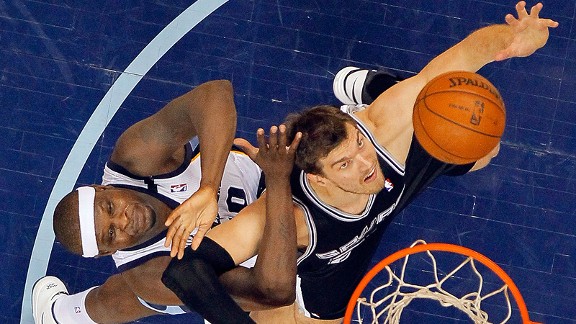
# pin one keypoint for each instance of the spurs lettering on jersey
(340, 255)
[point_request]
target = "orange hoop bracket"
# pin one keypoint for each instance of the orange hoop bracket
(445, 247)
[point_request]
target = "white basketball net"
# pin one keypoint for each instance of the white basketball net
(389, 309)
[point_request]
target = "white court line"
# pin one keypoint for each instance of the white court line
(94, 128)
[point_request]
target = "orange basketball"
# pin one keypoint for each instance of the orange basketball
(459, 117)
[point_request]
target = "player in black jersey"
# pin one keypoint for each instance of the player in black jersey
(354, 172)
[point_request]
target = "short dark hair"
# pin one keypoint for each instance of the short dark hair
(66, 223)
(323, 128)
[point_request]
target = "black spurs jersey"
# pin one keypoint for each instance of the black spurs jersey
(341, 245)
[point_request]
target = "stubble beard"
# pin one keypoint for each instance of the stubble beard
(373, 188)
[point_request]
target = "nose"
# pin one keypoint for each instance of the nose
(121, 219)
(364, 161)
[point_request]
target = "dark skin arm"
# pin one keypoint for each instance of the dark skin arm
(115, 301)
(155, 145)
(267, 228)
(216, 130)
(272, 281)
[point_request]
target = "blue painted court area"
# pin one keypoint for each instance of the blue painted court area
(75, 74)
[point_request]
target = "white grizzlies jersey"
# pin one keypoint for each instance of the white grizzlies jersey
(241, 185)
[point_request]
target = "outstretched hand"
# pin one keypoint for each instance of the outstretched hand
(199, 211)
(530, 31)
(274, 157)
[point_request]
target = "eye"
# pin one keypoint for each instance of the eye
(111, 232)
(345, 164)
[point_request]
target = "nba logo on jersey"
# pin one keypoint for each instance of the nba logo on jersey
(388, 185)
(179, 187)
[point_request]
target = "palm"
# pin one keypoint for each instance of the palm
(272, 156)
(530, 32)
(197, 212)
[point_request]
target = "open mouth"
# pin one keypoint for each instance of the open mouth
(371, 176)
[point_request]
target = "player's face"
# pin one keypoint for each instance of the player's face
(123, 218)
(353, 165)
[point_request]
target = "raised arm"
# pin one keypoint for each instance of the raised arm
(271, 282)
(155, 145)
(519, 37)
(215, 125)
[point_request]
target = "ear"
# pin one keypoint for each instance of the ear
(317, 179)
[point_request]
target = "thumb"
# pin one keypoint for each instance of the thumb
(173, 215)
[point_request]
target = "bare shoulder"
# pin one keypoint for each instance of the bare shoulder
(302, 232)
(142, 150)
(393, 108)
(145, 281)
(147, 276)
(148, 271)
(389, 117)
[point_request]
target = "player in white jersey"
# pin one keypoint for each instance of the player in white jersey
(356, 173)
(241, 184)
(155, 170)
